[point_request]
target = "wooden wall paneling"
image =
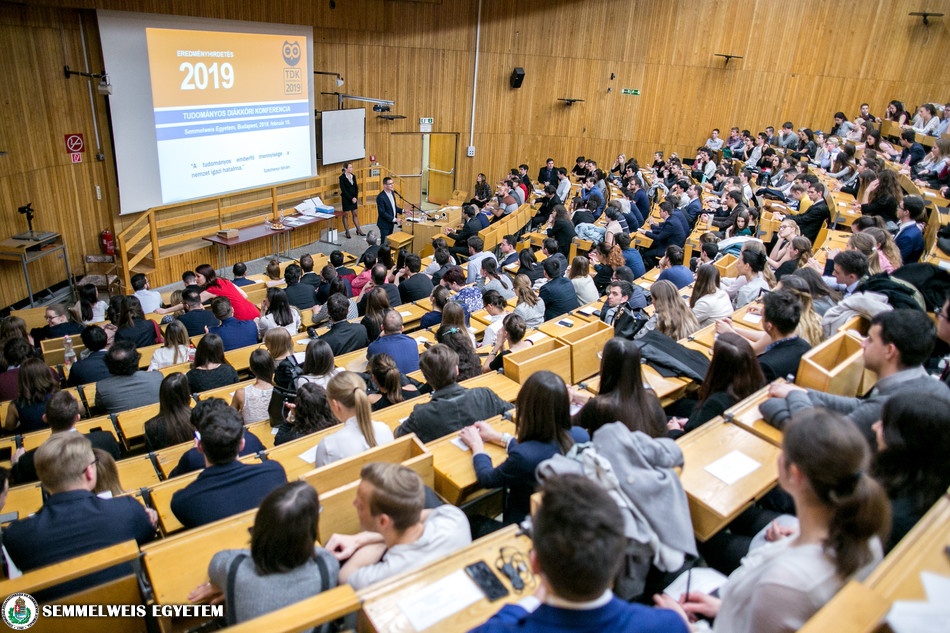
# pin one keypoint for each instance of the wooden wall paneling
(804, 59)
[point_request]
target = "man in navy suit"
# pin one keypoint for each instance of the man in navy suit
(62, 413)
(695, 206)
(234, 332)
(226, 486)
(74, 521)
(387, 210)
(909, 239)
(669, 232)
(558, 293)
(92, 368)
(548, 174)
(343, 336)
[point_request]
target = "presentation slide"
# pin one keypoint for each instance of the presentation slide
(202, 108)
(230, 110)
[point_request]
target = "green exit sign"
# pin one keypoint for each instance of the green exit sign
(426, 120)
(630, 91)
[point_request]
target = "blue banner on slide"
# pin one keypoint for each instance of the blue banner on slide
(215, 114)
(263, 124)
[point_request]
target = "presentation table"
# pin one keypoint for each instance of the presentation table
(28, 251)
(280, 241)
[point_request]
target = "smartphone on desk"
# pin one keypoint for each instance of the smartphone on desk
(487, 580)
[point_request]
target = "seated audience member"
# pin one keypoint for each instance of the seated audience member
(403, 349)
(673, 268)
(541, 431)
(492, 279)
(631, 256)
(708, 301)
(456, 339)
(62, 413)
(913, 439)
(469, 297)
(558, 293)
(942, 316)
(346, 396)
(149, 300)
(335, 287)
(528, 265)
(90, 308)
(92, 368)
(843, 514)
(579, 546)
(210, 368)
(530, 306)
(850, 269)
(823, 296)
(811, 221)
(414, 285)
(318, 364)
(781, 315)
(300, 295)
(376, 306)
(671, 313)
(172, 425)
(192, 459)
(226, 486)
(307, 276)
(391, 385)
(126, 387)
(73, 520)
(509, 251)
(438, 298)
(282, 567)
(287, 371)
(36, 385)
(470, 228)
(343, 336)
(276, 311)
(452, 406)
(583, 283)
(234, 333)
(133, 326)
(622, 296)
(372, 248)
(497, 309)
(398, 534)
(238, 271)
(476, 256)
(910, 239)
(512, 333)
(667, 233)
(733, 375)
(16, 349)
(897, 345)
(175, 349)
(623, 396)
(750, 266)
(253, 400)
(195, 317)
(378, 280)
(562, 230)
(310, 412)
(336, 260)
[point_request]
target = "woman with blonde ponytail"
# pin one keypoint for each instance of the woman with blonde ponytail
(346, 394)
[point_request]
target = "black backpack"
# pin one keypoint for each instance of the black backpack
(285, 390)
(629, 322)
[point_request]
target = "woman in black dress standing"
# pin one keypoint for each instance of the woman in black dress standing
(349, 191)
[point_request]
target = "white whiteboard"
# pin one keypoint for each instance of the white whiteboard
(344, 135)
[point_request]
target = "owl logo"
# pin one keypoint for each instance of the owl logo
(291, 52)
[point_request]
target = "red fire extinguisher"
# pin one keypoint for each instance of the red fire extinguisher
(106, 243)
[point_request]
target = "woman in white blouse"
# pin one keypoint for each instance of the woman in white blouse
(583, 283)
(708, 301)
(176, 348)
(277, 312)
(346, 394)
(750, 266)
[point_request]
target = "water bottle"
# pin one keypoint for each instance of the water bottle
(69, 354)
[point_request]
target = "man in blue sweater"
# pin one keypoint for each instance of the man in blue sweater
(578, 550)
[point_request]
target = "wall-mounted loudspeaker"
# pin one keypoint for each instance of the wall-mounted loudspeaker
(517, 77)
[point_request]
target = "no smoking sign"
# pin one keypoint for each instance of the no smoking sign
(74, 144)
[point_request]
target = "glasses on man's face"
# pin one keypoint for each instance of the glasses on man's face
(95, 461)
(942, 315)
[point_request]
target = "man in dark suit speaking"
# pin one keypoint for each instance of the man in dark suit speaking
(387, 210)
